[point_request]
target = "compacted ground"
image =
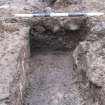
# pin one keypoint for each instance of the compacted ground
(51, 80)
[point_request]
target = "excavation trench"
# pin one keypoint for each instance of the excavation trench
(51, 78)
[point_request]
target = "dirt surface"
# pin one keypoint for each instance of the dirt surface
(52, 80)
(57, 69)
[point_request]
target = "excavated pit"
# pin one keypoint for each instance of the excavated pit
(52, 78)
(49, 34)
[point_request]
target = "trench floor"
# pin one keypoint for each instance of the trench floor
(52, 80)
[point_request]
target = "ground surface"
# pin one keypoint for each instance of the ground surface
(13, 42)
(51, 81)
(89, 56)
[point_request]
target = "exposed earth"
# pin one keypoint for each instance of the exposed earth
(52, 81)
(52, 61)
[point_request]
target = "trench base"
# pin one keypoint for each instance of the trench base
(51, 80)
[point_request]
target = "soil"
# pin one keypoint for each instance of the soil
(52, 80)
(67, 62)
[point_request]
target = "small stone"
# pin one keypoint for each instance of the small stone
(56, 28)
(13, 20)
(48, 9)
(72, 26)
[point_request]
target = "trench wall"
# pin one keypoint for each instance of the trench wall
(14, 64)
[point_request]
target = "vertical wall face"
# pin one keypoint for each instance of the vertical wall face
(55, 34)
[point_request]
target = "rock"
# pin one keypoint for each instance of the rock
(73, 26)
